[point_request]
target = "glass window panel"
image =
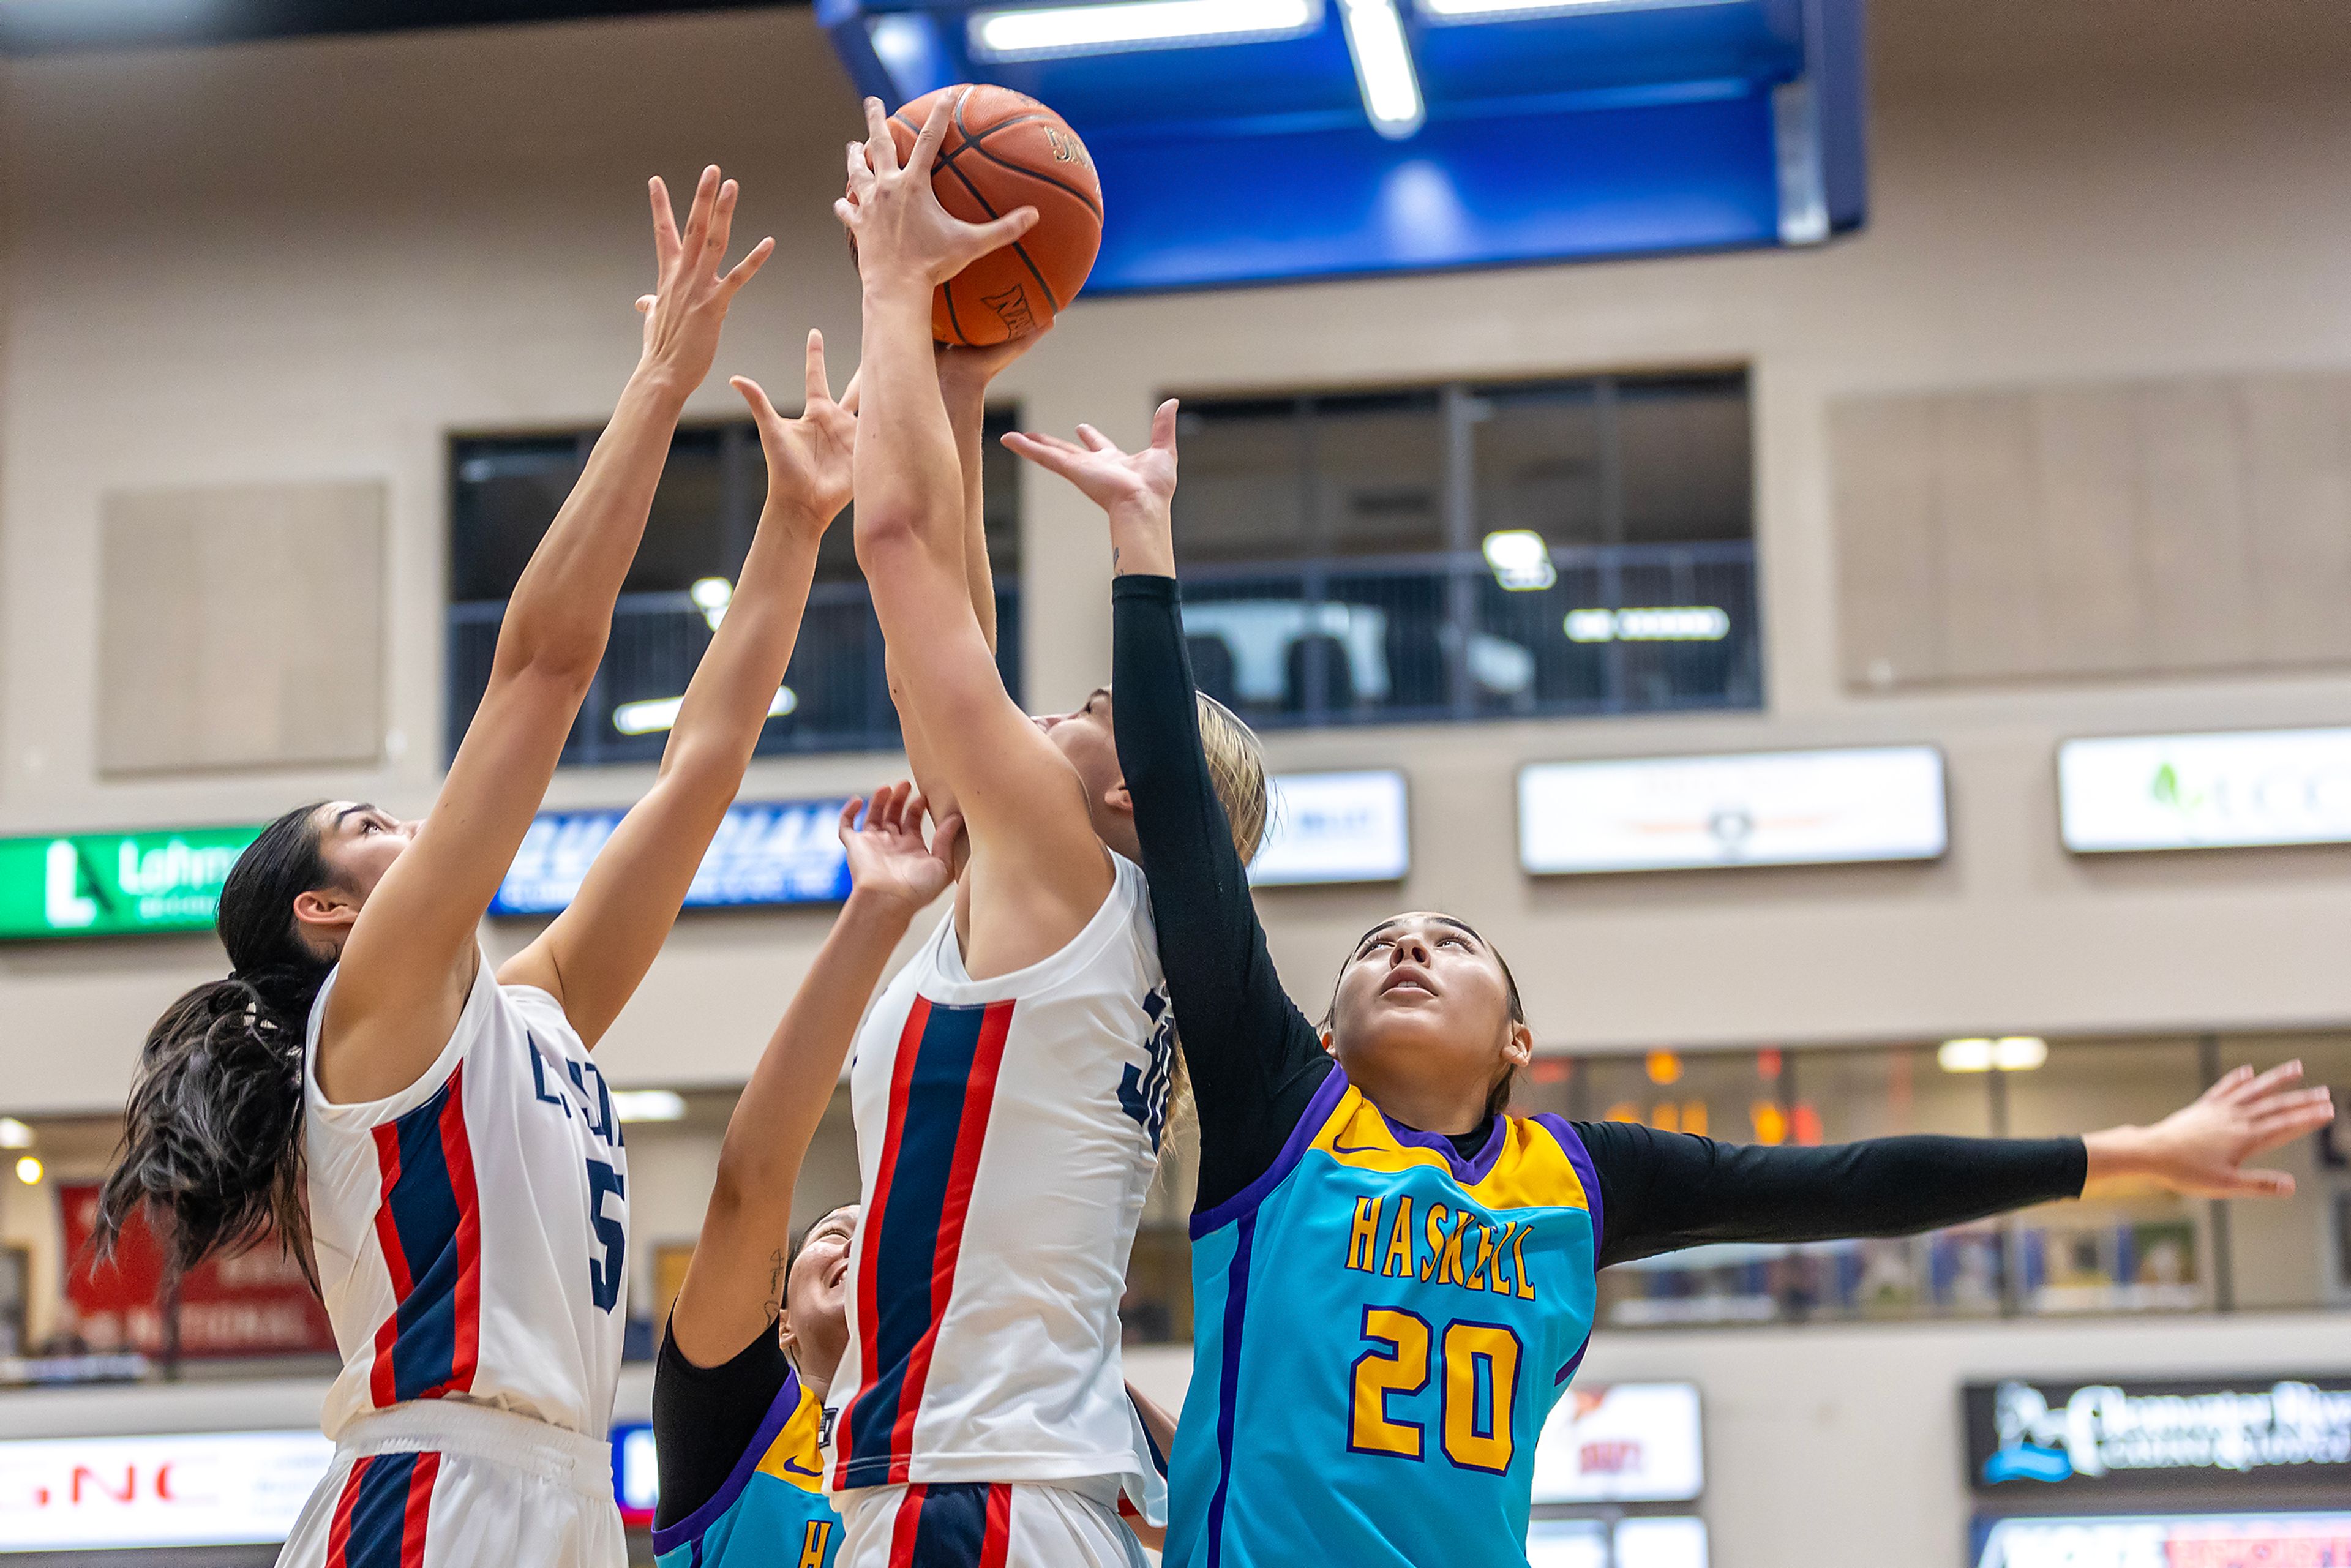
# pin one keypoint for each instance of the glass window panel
(2127, 1246)
(1685, 449)
(1537, 465)
(1243, 497)
(506, 493)
(1377, 479)
(689, 534)
(2297, 1251)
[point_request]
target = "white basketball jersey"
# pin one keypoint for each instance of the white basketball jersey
(471, 1231)
(1007, 1130)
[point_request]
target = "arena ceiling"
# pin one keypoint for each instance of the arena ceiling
(39, 27)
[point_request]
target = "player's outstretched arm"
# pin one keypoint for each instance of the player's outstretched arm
(1032, 841)
(1661, 1191)
(597, 952)
(734, 1283)
(411, 957)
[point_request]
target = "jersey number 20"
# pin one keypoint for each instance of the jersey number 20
(1478, 1363)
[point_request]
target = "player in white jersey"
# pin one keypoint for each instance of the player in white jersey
(1011, 1085)
(429, 1135)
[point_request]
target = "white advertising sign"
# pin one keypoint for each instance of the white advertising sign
(2205, 791)
(1632, 1442)
(1637, 1544)
(2179, 1540)
(1784, 808)
(212, 1489)
(1334, 828)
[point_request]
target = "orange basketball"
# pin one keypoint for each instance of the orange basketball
(1005, 151)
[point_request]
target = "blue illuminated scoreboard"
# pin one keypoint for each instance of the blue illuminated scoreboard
(1253, 141)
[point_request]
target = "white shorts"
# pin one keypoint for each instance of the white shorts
(979, 1524)
(439, 1484)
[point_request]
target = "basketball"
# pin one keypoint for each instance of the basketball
(1005, 151)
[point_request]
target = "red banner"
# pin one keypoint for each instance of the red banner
(254, 1304)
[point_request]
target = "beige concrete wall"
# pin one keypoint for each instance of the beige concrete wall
(312, 261)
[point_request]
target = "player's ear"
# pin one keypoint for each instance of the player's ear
(787, 1339)
(1330, 1043)
(1119, 799)
(1518, 1045)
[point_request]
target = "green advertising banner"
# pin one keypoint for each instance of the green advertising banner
(115, 885)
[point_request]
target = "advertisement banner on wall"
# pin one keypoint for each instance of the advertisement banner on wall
(115, 885)
(780, 853)
(2169, 1541)
(2246, 790)
(1625, 1442)
(1686, 814)
(1334, 828)
(252, 1304)
(200, 1489)
(2286, 1434)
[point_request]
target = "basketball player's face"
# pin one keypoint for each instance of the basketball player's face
(1086, 739)
(1424, 1009)
(816, 1296)
(359, 843)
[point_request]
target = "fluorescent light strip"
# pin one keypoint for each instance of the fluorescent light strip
(1516, 10)
(648, 1105)
(1383, 71)
(658, 714)
(1042, 34)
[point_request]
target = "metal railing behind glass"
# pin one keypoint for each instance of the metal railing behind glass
(835, 697)
(1450, 635)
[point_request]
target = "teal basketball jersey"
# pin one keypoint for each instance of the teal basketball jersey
(1381, 1329)
(773, 1512)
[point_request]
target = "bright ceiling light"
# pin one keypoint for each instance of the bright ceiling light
(657, 714)
(1655, 623)
(1041, 33)
(1514, 10)
(2010, 1053)
(14, 1134)
(712, 595)
(1383, 72)
(648, 1105)
(29, 1171)
(1521, 559)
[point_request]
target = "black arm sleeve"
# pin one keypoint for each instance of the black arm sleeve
(1661, 1191)
(1254, 1061)
(704, 1417)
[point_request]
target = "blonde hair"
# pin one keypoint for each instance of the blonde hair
(1237, 773)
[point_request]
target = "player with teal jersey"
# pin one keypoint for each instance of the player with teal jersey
(1394, 1277)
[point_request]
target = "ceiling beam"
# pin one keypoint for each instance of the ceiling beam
(45, 27)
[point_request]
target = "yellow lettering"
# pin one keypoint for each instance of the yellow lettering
(1501, 1286)
(1483, 1261)
(1435, 1233)
(1526, 1290)
(812, 1544)
(1363, 1239)
(1403, 1369)
(1468, 1348)
(1448, 1264)
(1400, 1242)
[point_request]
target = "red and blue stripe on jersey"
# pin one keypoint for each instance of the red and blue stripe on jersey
(963, 1524)
(429, 1224)
(942, 1084)
(380, 1516)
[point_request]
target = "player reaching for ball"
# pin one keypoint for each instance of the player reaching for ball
(756, 1336)
(429, 1133)
(1010, 1083)
(1366, 1178)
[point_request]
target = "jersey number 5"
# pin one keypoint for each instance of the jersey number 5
(604, 1273)
(1478, 1364)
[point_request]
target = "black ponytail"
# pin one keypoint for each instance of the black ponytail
(212, 1140)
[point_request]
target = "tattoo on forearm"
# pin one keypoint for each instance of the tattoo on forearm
(776, 1281)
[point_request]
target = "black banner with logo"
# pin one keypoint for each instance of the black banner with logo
(2275, 1434)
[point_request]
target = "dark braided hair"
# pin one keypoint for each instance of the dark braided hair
(212, 1140)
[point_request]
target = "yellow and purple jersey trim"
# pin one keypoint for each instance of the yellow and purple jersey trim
(772, 1513)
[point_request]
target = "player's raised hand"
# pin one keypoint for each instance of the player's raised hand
(2202, 1149)
(887, 857)
(1134, 484)
(811, 458)
(688, 307)
(893, 217)
(968, 371)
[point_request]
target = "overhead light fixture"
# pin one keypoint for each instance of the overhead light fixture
(1517, 10)
(1658, 624)
(14, 1134)
(712, 595)
(29, 1171)
(2009, 1053)
(1521, 559)
(1043, 32)
(1383, 71)
(657, 714)
(648, 1105)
